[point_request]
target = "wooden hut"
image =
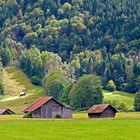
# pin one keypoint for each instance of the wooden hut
(6, 112)
(48, 107)
(101, 111)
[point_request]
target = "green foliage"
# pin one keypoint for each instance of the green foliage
(1, 79)
(55, 83)
(66, 94)
(78, 36)
(58, 116)
(87, 91)
(121, 107)
(28, 115)
(5, 56)
(1, 89)
(36, 81)
(111, 86)
(137, 101)
(88, 24)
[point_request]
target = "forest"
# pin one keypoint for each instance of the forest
(65, 44)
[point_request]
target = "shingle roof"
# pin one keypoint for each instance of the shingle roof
(37, 104)
(4, 110)
(41, 102)
(99, 108)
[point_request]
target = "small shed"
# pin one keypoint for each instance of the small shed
(48, 107)
(6, 112)
(102, 111)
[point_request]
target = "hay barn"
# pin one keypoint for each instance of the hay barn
(102, 111)
(48, 107)
(6, 112)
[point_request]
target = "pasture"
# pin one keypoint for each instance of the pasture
(126, 126)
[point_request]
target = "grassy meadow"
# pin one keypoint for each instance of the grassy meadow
(125, 126)
(15, 81)
(120, 97)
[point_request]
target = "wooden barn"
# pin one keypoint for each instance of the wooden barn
(102, 111)
(48, 107)
(6, 112)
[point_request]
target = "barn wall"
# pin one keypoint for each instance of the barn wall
(108, 113)
(67, 112)
(37, 113)
(57, 110)
(95, 115)
(51, 109)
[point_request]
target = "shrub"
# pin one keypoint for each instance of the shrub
(28, 115)
(111, 86)
(58, 116)
(1, 89)
(137, 101)
(36, 81)
(121, 107)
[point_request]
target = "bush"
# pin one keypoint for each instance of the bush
(58, 116)
(28, 115)
(119, 106)
(137, 101)
(111, 86)
(36, 81)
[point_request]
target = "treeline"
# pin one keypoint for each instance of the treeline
(124, 71)
(58, 42)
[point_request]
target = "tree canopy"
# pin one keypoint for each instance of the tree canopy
(86, 92)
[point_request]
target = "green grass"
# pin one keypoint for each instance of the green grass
(71, 130)
(17, 128)
(15, 81)
(125, 126)
(120, 97)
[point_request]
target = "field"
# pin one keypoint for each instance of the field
(126, 126)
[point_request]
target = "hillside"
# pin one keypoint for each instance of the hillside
(15, 81)
(119, 97)
(100, 37)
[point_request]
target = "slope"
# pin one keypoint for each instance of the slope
(119, 97)
(15, 81)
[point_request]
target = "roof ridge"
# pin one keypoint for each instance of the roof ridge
(98, 108)
(49, 98)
